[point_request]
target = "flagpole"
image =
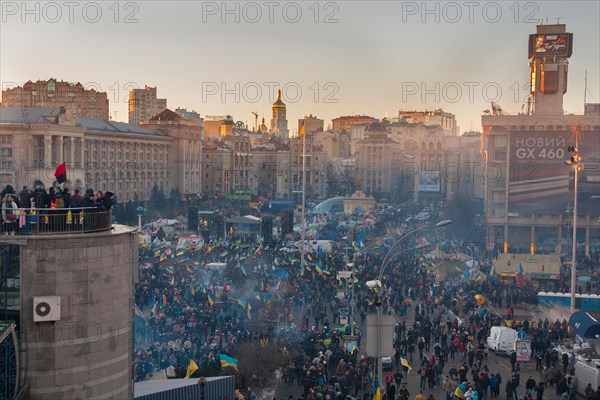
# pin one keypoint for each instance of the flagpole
(303, 233)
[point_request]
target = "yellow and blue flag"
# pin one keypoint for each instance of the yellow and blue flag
(377, 395)
(404, 362)
(241, 302)
(227, 361)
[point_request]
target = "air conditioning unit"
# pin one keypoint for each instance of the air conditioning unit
(46, 308)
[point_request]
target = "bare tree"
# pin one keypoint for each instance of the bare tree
(257, 363)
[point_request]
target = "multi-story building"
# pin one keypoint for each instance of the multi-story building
(315, 165)
(529, 195)
(311, 124)
(217, 127)
(379, 163)
(335, 144)
(273, 170)
(345, 123)
(79, 100)
(445, 120)
(183, 112)
(430, 163)
(185, 162)
(105, 155)
(144, 104)
(462, 165)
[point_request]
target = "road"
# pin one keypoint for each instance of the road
(495, 363)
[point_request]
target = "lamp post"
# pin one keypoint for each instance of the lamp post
(140, 212)
(377, 284)
(202, 382)
(576, 163)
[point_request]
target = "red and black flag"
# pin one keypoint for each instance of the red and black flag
(61, 173)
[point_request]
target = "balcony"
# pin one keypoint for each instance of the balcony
(52, 221)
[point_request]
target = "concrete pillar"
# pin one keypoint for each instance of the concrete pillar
(559, 244)
(587, 236)
(60, 145)
(491, 234)
(72, 152)
(81, 152)
(532, 240)
(47, 151)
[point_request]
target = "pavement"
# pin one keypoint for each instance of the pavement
(495, 363)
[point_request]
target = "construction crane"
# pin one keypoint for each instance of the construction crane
(255, 120)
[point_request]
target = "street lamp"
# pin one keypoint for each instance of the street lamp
(202, 382)
(576, 163)
(377, 284)
(140, 212)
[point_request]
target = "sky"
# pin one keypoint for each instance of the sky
(330, 58)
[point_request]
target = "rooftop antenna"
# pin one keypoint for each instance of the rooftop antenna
(585, 90)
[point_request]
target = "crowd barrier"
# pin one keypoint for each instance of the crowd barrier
(46, 221)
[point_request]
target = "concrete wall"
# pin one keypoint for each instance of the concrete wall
(88, 353)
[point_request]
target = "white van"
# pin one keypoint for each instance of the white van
(502, 339)
(587, 371)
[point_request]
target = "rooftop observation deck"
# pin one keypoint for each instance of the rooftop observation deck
(54, 221)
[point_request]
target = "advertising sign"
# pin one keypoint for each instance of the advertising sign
(429, 181)
(523, 350)
(539, 180)
(555, 44)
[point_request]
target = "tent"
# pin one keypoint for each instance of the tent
(585, 325)
(538, 266)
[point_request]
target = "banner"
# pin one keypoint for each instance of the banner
(521, 280)
(539, 180)
(429, 181)
(523, 350)
(554, 44)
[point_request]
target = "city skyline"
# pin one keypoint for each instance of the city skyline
(200, 58)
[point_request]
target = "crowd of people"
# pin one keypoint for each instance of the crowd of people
(52, 210)
(259, 294)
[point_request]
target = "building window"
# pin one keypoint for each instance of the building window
(6, 152)
(6, 139)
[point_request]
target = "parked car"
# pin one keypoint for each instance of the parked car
(387, 363)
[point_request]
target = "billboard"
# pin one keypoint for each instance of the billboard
(539, 180)
(429, 181)
(554, 44)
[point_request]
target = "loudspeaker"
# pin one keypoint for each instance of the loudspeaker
(206, 236)
(219, 225)
(287, 222)
(193, 219)
(266, 227)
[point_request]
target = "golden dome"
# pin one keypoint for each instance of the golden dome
(278, 103)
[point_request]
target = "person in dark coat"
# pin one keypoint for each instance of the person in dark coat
(106, 204)
(89, 204)
(539, 389)
(25, 197)
(509, 390)
(530, 386)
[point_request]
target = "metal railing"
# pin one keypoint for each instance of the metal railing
(47, 221)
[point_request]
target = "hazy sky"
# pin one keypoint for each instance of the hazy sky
(331, 58)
